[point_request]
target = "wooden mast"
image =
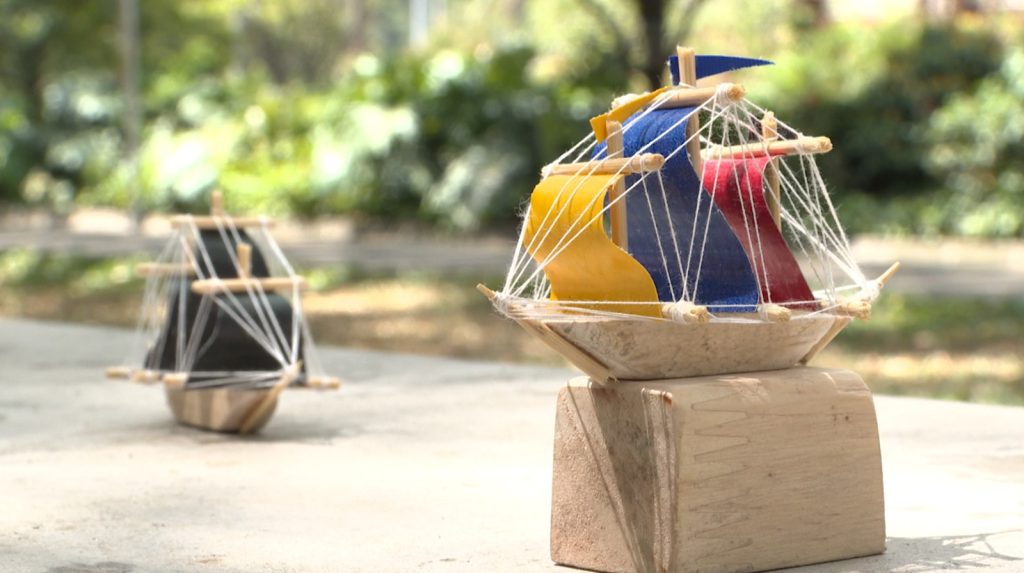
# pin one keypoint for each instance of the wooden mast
(770, 133)
(617, 212)
(686, 311)
(687, 58)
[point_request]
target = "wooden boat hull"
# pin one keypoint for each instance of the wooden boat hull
(643, 349)
(219, 409)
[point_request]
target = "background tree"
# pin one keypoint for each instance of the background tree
(660, 25)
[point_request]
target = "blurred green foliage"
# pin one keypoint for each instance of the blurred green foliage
(307, 109)
(883, 95)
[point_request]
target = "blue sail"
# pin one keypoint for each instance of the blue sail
(709, 65)
(725, 281)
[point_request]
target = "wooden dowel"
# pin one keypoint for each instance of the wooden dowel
(837, 327)
(244, 253)
(687, 96)
(781, 147)
(636, 164)
(770, 133)
(214, 286)
(217, 203)
(323, 382)
(176, 380)
(205, 222)
(145, 376)
(884, 277)
(119, 373)
(627, 166)
(490, 294)
(617, 212)
(687, 58)
(163, 269)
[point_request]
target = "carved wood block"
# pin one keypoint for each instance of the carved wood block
(717, 474)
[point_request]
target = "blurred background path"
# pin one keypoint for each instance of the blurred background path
(930, 266)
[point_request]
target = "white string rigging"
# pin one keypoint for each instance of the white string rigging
(809, 221)
(186, 258)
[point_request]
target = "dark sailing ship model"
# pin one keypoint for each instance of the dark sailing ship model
(222, 325)
(687, 257)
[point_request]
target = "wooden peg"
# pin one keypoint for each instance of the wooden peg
(216, 203)
(145, 376)
(686, 312)
(687, 66)
(774, 313)
(244, 252)
(176, 380)
(856, 308)
(323, 382)
(884, 277)
(617, 212)
(119, 373)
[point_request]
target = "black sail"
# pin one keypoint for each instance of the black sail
(224, 345)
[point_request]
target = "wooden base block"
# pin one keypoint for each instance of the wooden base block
(218, 409)
(717, 474)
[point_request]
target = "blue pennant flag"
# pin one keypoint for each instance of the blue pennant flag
(712, 65)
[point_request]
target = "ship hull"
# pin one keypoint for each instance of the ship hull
(624, 348)
(220, 409)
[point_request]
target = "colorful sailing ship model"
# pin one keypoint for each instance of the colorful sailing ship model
(691, 233)
(222, 325)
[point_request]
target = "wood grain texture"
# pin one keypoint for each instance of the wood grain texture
(718, 474)
(660, 349)
(219, 409)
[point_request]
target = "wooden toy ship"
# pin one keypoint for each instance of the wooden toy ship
(686, 256)
(689, 234)
(222, 324)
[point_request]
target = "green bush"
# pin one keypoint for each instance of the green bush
(481, 129)
(873, 92)
(976, 149)
(925, 119)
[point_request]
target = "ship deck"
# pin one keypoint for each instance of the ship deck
(417, 464)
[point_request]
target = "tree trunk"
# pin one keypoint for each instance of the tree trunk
(652, 18)
(818, 13)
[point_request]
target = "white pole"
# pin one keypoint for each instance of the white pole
(419, 22)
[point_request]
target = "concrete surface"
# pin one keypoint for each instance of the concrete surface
(417, 464)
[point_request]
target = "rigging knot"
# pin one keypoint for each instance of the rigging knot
(727, 94)
(870, 290)
(501, 302)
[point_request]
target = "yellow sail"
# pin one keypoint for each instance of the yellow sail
(620, 114)
(589, 266)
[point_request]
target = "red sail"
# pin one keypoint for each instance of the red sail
(736, 186)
